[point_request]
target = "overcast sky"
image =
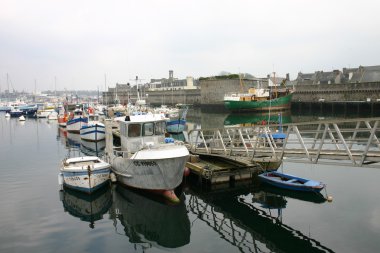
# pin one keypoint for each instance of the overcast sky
(79, 42)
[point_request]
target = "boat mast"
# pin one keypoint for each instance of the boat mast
(137, 87)
(241, 83)
(8, 88)
(275, 84)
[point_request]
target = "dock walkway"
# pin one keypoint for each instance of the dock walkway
(339, 141)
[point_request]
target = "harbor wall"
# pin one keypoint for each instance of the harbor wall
(211, 93)
(335, 93)
(172, 97)
(213, 90)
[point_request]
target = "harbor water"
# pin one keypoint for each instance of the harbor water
(37, 216)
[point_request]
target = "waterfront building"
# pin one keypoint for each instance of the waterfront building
(173, 83)
(362, 74)
(320, 77)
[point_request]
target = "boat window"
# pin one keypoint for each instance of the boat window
(134, 130)
(148, 129)
(160, 128)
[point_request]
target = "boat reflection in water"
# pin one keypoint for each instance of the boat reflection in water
(245, 219)
(249, 119)
(92, 148)
(148, 221)
(314, 197)
(87, 207)
(73, 140)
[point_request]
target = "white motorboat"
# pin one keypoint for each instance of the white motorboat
(85, 174)
(44, 113)
(146, 159)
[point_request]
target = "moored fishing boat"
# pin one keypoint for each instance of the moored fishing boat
(258, 100)
(75, 121)
(291, 182)
(85, 174)
(176, 118)
(62, 119)
(94, 130)
(146, 159)
(16, 112)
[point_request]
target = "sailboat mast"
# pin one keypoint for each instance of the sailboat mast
(137, 86)
(275, 84)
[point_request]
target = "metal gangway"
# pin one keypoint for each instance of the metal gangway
(325, 141)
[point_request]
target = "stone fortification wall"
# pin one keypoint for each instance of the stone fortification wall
(174, 97)
(213, 90)
(350, 92)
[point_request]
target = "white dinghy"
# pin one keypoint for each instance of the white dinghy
(86, 173)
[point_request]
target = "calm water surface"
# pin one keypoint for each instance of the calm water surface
(35, 216)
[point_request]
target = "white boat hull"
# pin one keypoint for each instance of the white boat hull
(87, 178)
(44, 113)
(94, 132)
(74, 125)
(152, 169)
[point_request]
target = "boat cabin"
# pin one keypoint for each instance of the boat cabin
(93, 117)
(139, 132)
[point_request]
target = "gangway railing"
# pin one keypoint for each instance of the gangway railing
(353, 140)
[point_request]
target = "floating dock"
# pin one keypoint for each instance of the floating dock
(213, 169)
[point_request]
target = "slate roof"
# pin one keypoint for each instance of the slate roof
(366, 74)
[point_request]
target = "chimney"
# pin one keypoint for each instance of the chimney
(171, 75)
(287, 77)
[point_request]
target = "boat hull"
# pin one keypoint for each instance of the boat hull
(16, 114)
(74, 125)
(175, 126)
(86, 180)
(290, 182)
(151, 173)
(94, 132)
(280, 103)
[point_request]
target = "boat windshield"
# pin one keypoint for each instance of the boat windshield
(144, 129)
(78, 113)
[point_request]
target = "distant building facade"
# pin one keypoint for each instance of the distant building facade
(172, 83)
(362, 74)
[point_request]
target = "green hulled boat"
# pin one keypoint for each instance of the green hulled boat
(258, 100)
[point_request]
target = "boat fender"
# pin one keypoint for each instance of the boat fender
(169, 140)
(113, 177)
(186, 172)
(60, 178)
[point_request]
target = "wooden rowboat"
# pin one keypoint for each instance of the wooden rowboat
(291, 182)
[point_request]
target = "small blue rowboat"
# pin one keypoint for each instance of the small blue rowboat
(290, 182)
